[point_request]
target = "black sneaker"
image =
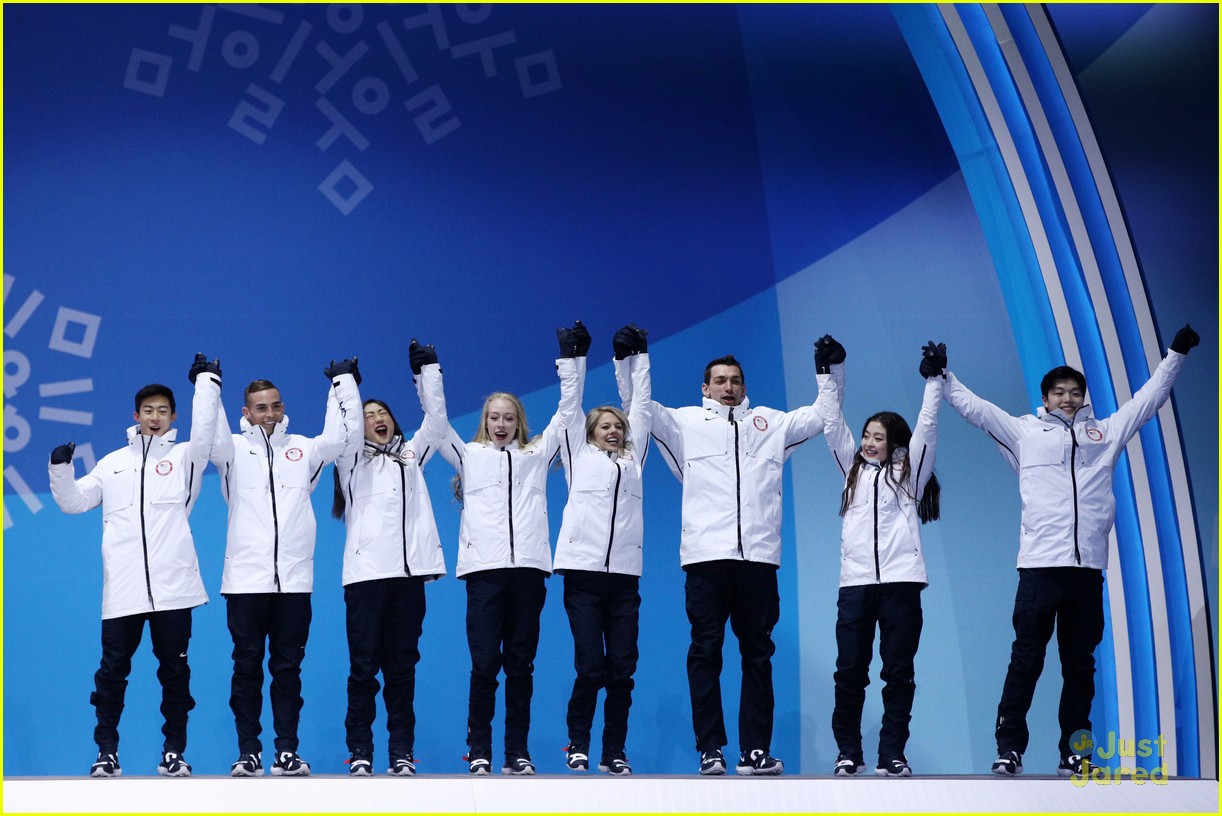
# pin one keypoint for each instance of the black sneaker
(289, 764)
(893, 767)
(402, 765)
(518, 765)
(172, 764)
(106, 766)
(712, 763)
(248, 765)
(758, 762)
(849, 764)
(1008, 763)
(615, 763)
(577, 757)
(359, 764)
(480, 760)
(1072, 765)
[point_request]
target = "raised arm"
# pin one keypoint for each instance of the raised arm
(986, 416)
(426, 374)
(922, 450)
(1129, 417)
(205, 410)
(344, 420)
(808, 421)
(72, 495)
(632, 380)
(571, 367)
(840, 442)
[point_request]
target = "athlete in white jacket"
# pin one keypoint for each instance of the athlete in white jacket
(730, 457)
(889, 491)
(599, 553)
(267, 476)
(504, 553)
(149, 567)
(1064, 458)
(392, 549)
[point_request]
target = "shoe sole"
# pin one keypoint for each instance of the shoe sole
(885, 773)
(361, 772)
(511, 772)
(845, 774)
(751, 770)
(246, 774)
(179, 773)
(609, 772)
(282, 772)
(104, 775)
(484, 769)
(1004, 772)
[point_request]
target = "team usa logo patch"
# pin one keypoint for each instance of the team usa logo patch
(1094, 434)
(164, 467)
(407, 455)
(294, 454)
(760, 423)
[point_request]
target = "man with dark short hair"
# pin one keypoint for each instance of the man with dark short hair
(267, 476)
(149, 566)
(1064, 458)
(729, 455)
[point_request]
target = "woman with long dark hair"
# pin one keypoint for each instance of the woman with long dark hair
(889, 491)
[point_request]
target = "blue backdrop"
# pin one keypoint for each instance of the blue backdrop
(281, 186)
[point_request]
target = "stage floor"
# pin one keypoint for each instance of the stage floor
(600, 794)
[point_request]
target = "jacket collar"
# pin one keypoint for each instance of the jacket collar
(723, 411)
(1058, 416)
(155, 443)
(279, 435)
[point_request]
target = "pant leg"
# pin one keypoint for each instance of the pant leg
(899, 634)
(528, 591)
(485, 624)
(707, 599)
(120, 637)
(400, 654)
(1079, 631)
(170, 633)
(622, 632)
(755, 611)
(286, 642)
(585, 603)
(856, 615)
(365, 618)
(1035, 605)
(247, 616)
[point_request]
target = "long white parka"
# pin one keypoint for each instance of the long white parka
(603, 528)
(504, 490)
(147, 490)
(388, 514)
(730, 460)
(880, 538)
(1064, 467)
(267, 481)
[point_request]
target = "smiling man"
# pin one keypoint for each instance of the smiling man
(149, 566)
(267, 476)
(1064, 457)
(730, 455)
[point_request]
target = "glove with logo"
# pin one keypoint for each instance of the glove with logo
(200, 365)
(343, 367)
(419, 356)
(574, 342)
(828, 352)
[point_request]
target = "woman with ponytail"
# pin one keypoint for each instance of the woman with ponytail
(889, 491)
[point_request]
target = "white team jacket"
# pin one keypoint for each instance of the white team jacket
(147, 491)
(389, 518)
(1064, 467)
(730, 461)
(880, 538)
(267, 482)
(603, 528)
(504, 516)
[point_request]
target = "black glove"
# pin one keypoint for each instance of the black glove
(828, 352)
(343, 367)
(629, 340)
(62, 455)
(1185, 339)
(201, 365)
(574, 342)
(933, 359)
(419, 356)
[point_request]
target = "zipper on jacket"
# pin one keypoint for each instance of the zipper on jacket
(509, 460)
(144, 541)
(1073, 479)
(738, 488)
(403, 515)
(619, 474)
(271, 481)
(878, 573)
